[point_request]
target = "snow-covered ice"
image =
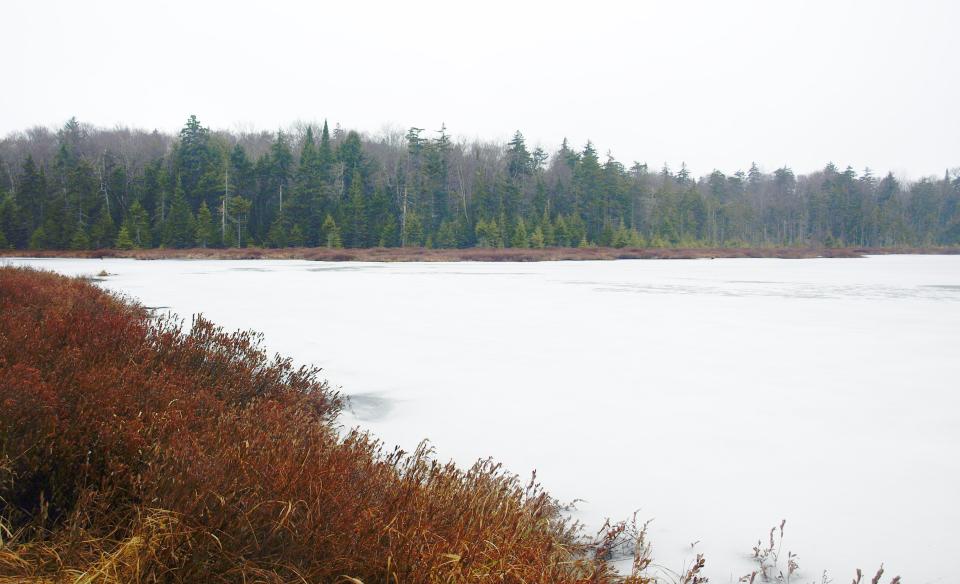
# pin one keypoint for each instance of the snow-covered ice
(715, 396)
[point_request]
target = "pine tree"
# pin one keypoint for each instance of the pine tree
(309, 199)
(563, 238)
(488, 234)
(325, 154)
(350, 153)
(356, 212)
(38, 239)
(204, 231)
(536, 239)
(388, 233)
(332, 233)
(446, 235)
(80, 240)
(31, 193)
(179, 230)
(14, 222)
(549, 233)
(138, 225)
(102, 232)
(519, 162)
(277, 236)
(621, 237)
(519, 238)
(413, 232)
(123, 239)
(239, 212)
(195, 162)
(296, 238)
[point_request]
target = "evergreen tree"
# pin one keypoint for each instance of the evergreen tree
(308, 200)
(519, 162)
(350, 154)
(239, 212)
(488, 234)
(179, 230)
(102, 232)
(138, 225)
(519, 238)
(388, 233)
(124, 241)
(80, 240)
(277, 236)
(325, 154)
(413, 231)
(446, 235)
(13, 222)
(204, 231)
(296, 238)
(38, 239)
(548, 231)
(356, 213)
(332, 233)
(195, 162)
(31, 193)
(537, 239)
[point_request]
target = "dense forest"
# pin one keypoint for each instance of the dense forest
(83, 187)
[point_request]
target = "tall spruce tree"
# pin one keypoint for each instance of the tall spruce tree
(179, 230)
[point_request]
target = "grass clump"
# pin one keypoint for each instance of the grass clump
(134, 449)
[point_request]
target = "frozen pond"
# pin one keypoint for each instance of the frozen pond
(715, 396)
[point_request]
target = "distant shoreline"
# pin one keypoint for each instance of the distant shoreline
(418, 254)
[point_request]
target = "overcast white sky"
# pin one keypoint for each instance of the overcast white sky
(714, 84)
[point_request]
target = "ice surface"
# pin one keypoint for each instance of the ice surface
(715, 396)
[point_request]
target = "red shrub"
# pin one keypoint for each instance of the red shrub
(133, 450)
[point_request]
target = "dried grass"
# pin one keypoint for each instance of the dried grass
(137, 450)
(477, 254)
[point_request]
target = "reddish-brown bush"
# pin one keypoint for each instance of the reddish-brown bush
(133, 450)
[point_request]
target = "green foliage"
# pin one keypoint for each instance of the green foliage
(123, 239)
(102, 233)
(238, 210)
(388, 233)
(137, 225)
(296, 237)
(204, 231)
(519, 238)
(624, 237)
(426, 189)
(488, 234)
(536, 238)
(332, 233)
(13, 222)
(38, 239)
(447, 235)
(179, 230)
(355, 213)
(277, 236)
(80, 240)
(413, 230)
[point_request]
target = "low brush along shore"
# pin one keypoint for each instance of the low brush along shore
(477, 254)
(135, 450)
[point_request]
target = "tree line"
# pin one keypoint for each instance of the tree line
(83, 187)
